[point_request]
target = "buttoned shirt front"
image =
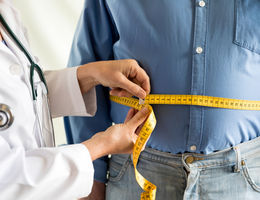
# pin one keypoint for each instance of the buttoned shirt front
(187, 47)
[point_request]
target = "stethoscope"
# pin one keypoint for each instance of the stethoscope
(34, 66)
(6, 117)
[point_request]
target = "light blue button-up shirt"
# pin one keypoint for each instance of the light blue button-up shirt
(186, 48)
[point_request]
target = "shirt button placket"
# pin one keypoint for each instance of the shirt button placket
(198, 74)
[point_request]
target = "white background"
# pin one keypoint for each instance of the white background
(51, 25)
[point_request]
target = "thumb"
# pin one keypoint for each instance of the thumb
(138, 118)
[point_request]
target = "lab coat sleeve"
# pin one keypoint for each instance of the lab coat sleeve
(93, 41)
(65, 96)
(63, 173)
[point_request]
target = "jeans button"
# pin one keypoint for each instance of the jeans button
(189, 159)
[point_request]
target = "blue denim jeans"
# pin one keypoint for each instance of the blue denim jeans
(231, 174)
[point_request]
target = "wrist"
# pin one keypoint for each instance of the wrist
(86, 77)
(97, 146)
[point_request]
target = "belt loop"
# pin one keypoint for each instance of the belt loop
(238, 159)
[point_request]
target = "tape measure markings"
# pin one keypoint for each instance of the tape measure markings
(144, 134)
(149, 125)
(200, 100)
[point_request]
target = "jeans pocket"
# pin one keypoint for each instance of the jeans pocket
(118, 165)
(251, 171)
(247, 24)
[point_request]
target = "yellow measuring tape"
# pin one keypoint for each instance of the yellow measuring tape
(149, 125)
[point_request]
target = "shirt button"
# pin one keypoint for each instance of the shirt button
(193, 148)
(15, 69)
(199, 50)
(202, 4)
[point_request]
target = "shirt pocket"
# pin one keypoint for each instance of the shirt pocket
(247, 24)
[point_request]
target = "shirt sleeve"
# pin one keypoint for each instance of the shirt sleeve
(45, 173)
(65, 96)
(93, 41)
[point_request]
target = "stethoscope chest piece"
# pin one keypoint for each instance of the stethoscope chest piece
(6, 117)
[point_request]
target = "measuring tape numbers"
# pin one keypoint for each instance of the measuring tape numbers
(149, 125)
(144, 134)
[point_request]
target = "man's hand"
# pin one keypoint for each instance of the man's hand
(124, 77)
(98, 192)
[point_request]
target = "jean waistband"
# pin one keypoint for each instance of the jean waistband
(232, 155)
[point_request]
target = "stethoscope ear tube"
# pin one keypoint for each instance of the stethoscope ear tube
(6, 117)
(16, 40)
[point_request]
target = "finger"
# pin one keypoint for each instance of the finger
(139, 128)
(136, 134)
(144, 84)
(141, 77)
(130, 115)
(139, 118)
(124, 93)
(115, 91)
(120, 92)
(131, 87)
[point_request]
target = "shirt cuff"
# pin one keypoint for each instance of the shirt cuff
(65, 95)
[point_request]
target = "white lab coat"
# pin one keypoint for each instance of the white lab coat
(27, 171)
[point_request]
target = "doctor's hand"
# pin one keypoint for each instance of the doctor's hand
(124, 77)
(118, 139)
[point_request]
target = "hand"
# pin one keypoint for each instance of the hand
(117, 139)
(124, 77)
(98, 192)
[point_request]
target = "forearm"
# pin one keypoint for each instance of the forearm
(41, 167)
(124, 77)
(119, 138)
(98, 146)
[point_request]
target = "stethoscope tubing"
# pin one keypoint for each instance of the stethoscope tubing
(34, 66)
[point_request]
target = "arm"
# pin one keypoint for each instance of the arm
(79, 82)
(64, 83)
(26, 174)
(98, 189)
(93, 41)
(121, 137)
